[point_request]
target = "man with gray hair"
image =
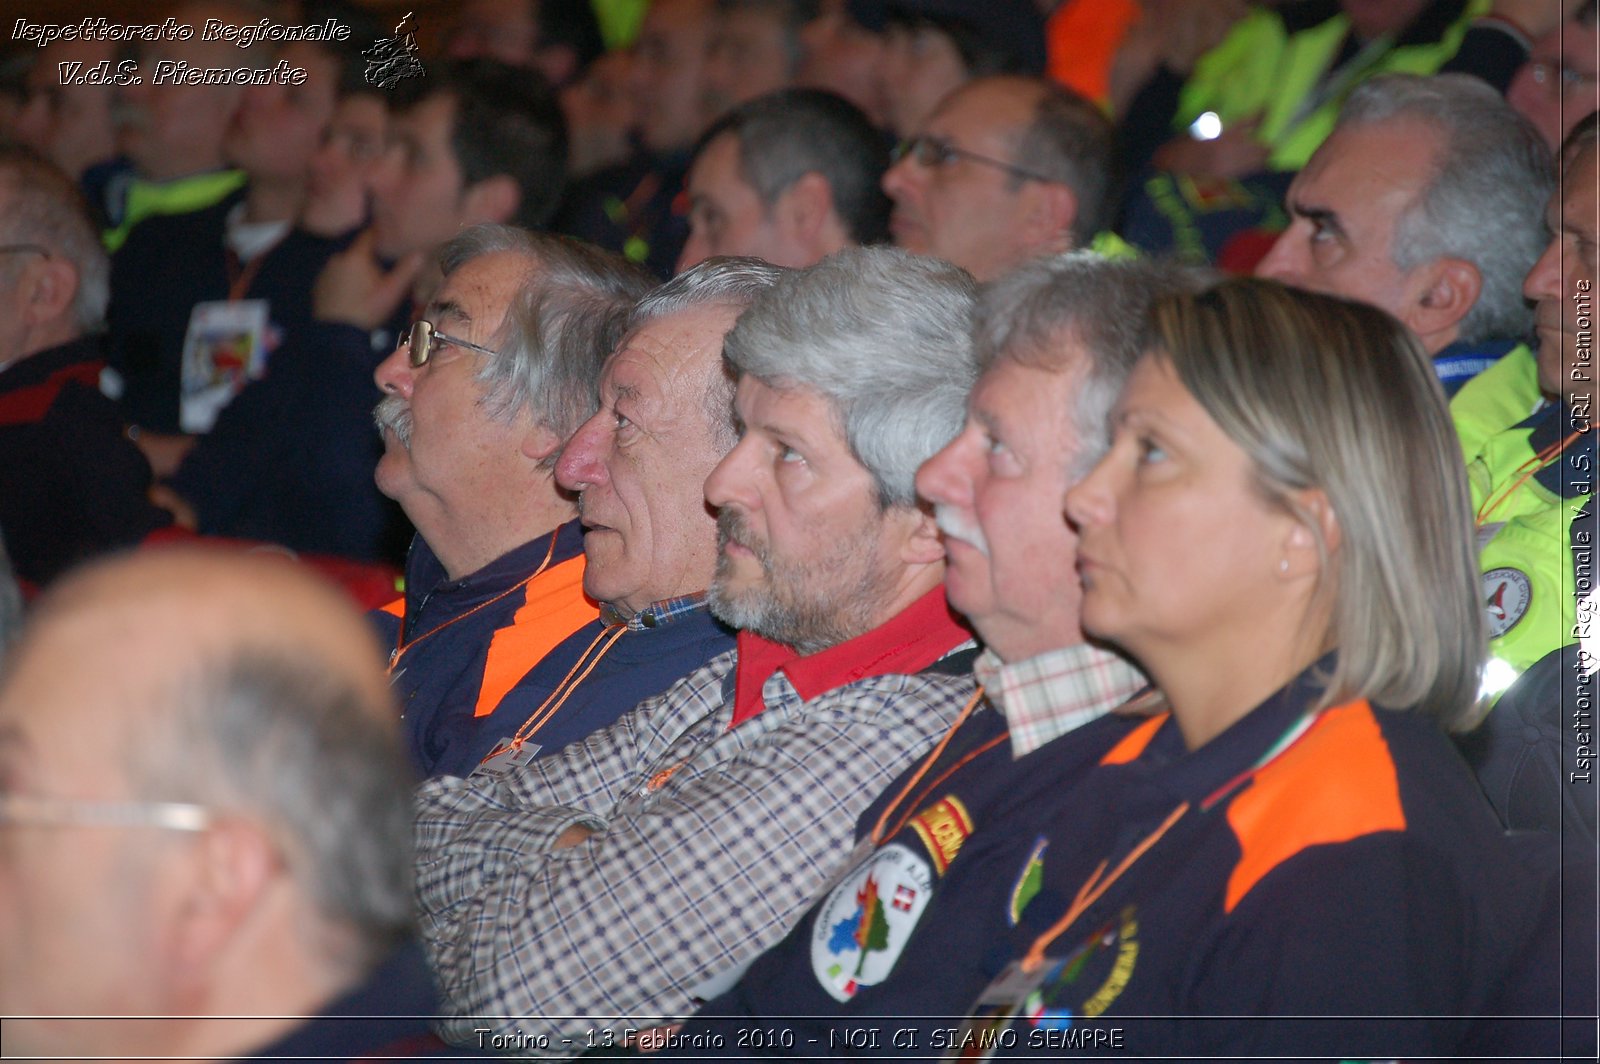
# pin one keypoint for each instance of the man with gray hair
(611, 885)
(1055, 341)
(71, 485)
(494, 637)
(790, 177)
(1426, 201)
(238, 856)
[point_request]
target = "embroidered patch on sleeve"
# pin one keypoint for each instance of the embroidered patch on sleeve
(867, 919)
(943, 827)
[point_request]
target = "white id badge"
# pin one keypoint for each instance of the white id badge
(225, 348)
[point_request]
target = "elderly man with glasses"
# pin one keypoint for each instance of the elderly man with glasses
(495, 641)
(1006, 170)
(71, 485)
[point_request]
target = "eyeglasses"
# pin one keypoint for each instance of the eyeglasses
(1554, 77)
(934, 152)
(75, 812)
(424, 339)
(20, 249)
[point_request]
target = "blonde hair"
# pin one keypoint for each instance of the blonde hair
(1326, 394)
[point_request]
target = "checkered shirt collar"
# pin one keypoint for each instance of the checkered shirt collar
(1044, 697)
(659, 614)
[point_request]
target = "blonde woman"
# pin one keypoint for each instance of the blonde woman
(1280, 534)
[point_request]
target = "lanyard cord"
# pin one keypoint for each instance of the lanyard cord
(558, 697)
(402, 645)
(1094, 887)
(240, 278)
(1527, 469)
(878, 834)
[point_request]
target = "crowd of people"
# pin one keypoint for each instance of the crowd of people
(743, 528)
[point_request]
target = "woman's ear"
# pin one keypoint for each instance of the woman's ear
(1315, 518)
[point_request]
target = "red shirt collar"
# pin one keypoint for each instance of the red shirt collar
(909, 642)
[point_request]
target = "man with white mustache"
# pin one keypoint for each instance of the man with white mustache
(494, 638)
(1055, 339)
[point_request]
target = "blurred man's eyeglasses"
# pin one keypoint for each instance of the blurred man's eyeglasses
(23, 249)
(1556, 78)
(75, 812)
(934, 152)
(424, 340)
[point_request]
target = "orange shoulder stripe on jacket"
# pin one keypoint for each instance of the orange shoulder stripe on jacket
(1133, 744)
(1337, 783)
(397, 608)
(554, 607)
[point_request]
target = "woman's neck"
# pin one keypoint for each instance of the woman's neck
(1211, 685)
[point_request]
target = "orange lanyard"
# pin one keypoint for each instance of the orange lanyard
(558, 697)
(1094, 887)
(1527, 469)
(878, 834)
(401, 645)
(241, 278)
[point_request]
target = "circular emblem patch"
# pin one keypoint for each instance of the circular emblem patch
(1506, 595)
(865, 922)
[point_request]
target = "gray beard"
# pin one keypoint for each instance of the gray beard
(791, 606)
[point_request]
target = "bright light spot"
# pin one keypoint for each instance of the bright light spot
(1207, 127)
(1498, 674)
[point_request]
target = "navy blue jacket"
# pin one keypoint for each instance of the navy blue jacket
(1358, 873)
(71, 484)
(439, 679)
(170, 263)
(385, 1018)
(291, 459)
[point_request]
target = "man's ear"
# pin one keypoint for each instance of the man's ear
(494, 199)
(50, 286)
(221, 884)
(541, 443)
(1052, 210)
(921, 544)
(1449, 290)
(804, 210)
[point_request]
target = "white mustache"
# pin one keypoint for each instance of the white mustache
(955, 525)
(393, 414)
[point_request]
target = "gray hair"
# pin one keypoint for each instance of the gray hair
(727, 281)
(263, 730)
(47, 209)
(1069, 141)
(1100, 303)
(885, 337)
(564, 321)
(1485, 204)
(1323, 393)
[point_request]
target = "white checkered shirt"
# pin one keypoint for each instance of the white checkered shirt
(682, 882)
(1047, 696)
